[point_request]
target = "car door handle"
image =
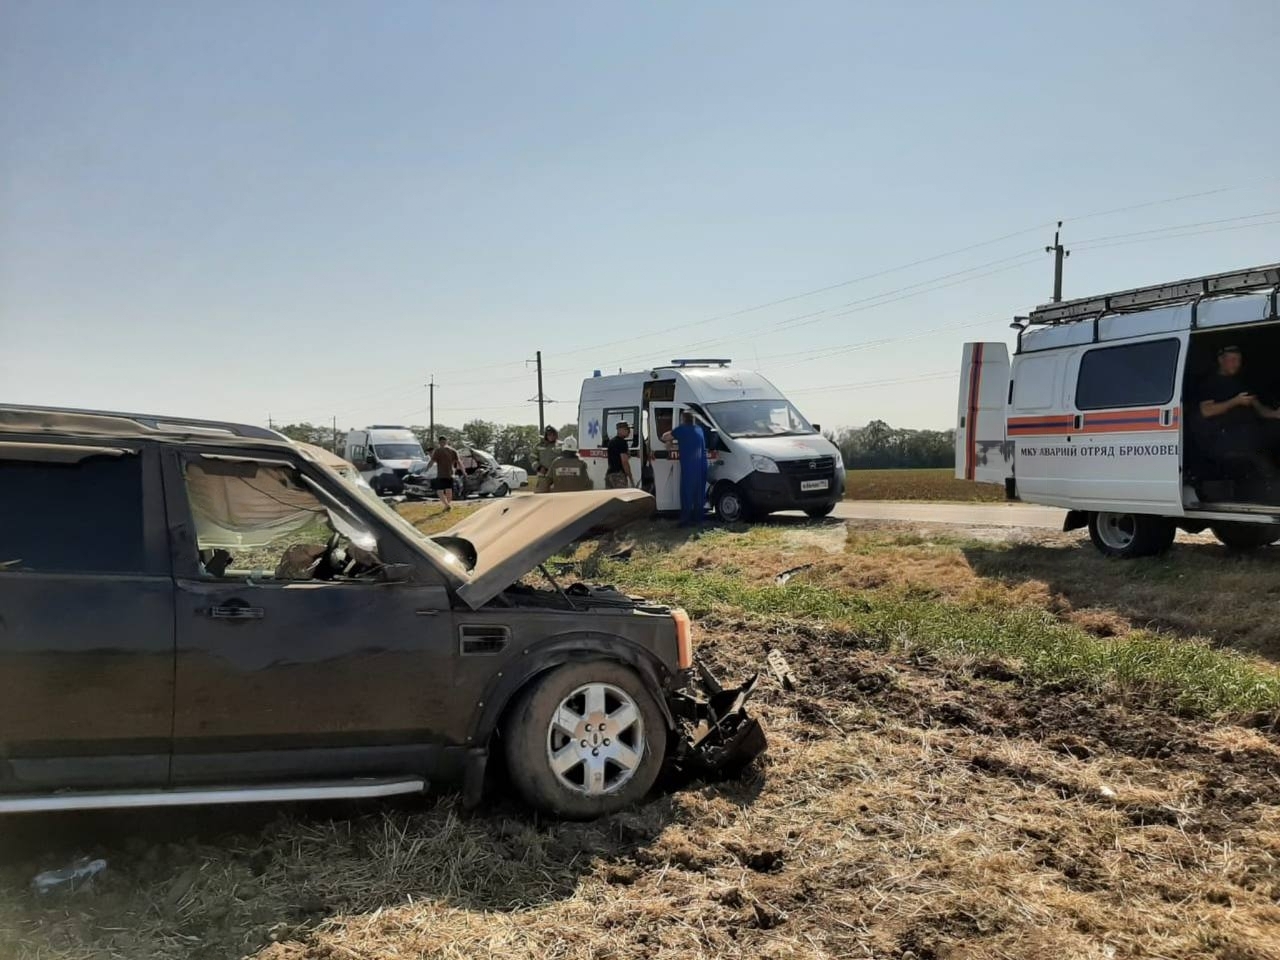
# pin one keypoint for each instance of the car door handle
(239, 611)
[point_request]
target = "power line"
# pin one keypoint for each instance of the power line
(842, 350)
(1176, 227)
(867, 303)
(1178, 199)
(867, 384)
(807, 293)
(913, 263)
(878, 300)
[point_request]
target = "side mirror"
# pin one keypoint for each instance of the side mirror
(396, 572)
(713, 440)
(370, 460)
(817, 427)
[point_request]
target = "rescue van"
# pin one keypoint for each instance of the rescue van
(384, 454)
(1100, 412)
(762, 454)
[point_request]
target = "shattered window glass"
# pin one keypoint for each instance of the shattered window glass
(258, 520)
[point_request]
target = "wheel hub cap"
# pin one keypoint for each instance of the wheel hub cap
(1116, 529)
(595, 740)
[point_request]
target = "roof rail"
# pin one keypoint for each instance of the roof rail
(51, 418)
(702, 362)
(1161, 294)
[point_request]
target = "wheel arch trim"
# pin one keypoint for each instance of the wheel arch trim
(579, 646)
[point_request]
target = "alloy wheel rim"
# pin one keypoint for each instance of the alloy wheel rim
(595, 740)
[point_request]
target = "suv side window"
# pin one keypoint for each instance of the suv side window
(70, 510)
(256, 520)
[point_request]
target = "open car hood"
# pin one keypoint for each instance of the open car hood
(511, 537)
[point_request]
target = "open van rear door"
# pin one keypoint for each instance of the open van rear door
(982, 451)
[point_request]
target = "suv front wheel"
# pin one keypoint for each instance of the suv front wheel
(585, 740)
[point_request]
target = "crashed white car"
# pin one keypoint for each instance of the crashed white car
(516, 477)
(480, 476)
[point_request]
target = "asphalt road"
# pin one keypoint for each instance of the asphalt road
(976, 514)
(964, 514)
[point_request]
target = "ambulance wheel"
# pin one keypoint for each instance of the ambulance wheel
(1129, 535)
(731, 505)
(1243, 537)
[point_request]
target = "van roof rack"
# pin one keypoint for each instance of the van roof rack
(702, 362)
(76, 420)
(1252, 279)
(387, 426)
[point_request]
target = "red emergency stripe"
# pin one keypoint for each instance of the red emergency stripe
(1128, 416)
(1127, 421)
(971, 444)
(1040, 425)
(1145, 420)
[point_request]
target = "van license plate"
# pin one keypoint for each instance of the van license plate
(808, 485)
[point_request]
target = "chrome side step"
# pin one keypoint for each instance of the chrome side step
(363, 789)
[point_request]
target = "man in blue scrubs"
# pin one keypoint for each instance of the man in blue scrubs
(692, 444)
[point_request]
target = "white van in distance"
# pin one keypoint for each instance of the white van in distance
(1113, 410)
(763, 455)
(384, 454)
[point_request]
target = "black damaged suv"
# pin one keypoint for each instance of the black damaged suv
(203, 612)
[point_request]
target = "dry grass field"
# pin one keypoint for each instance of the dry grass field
(937, 485)
(998, 749)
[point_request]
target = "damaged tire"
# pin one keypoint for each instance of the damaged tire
(585, 740)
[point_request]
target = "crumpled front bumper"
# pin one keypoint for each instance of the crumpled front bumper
(717, 737)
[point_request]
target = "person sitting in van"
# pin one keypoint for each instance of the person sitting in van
(1230, 427)
(618, 473)
(569, 471)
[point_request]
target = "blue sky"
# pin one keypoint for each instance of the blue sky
(306, 209)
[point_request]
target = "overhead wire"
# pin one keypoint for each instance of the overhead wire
(1015, 261)
(1078, 244)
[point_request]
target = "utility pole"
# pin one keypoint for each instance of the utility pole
(542, 417)
(431, 387)
(270, 425)
(335, 434)
(1059, 254)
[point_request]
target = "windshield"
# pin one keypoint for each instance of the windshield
(759, 418)
(399, 451)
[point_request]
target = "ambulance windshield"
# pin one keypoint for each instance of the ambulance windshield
(759, 418)
(399, 451)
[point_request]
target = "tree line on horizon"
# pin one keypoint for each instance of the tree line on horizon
(508, 442)
(877, 446)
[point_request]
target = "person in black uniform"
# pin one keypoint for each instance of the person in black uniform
(1235, 424)
(618, 475)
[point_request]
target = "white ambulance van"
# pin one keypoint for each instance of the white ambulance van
(763, 455)
(384, 454)
(1099, 412)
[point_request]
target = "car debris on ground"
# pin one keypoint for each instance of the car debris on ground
(77, 874)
